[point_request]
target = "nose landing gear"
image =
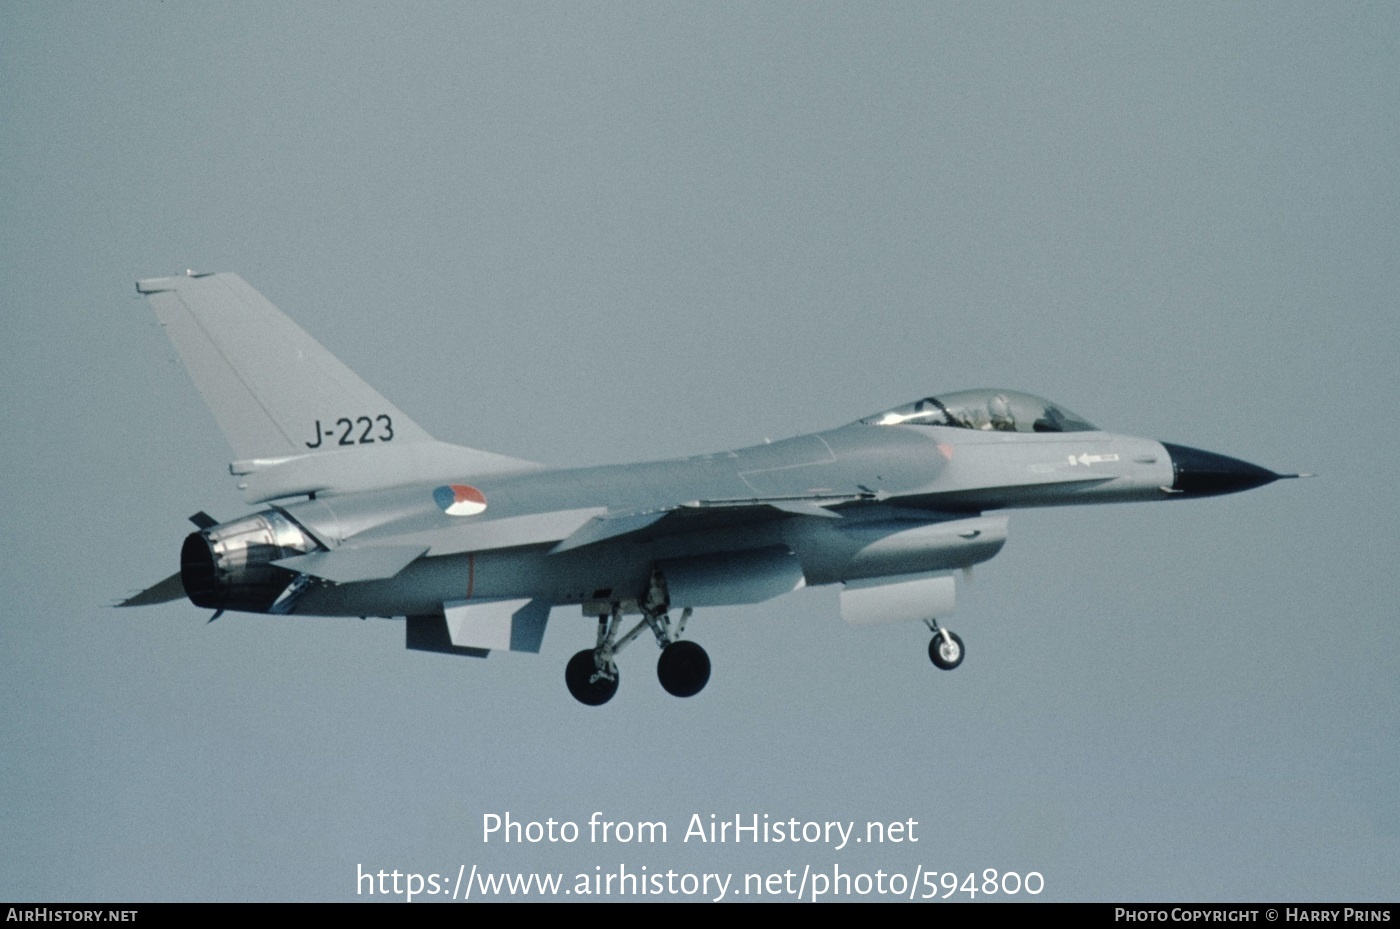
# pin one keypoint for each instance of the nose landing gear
(945, 649)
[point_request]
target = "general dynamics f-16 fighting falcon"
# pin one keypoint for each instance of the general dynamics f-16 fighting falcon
(368, 515)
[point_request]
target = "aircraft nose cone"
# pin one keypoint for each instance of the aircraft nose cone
(1206, 474)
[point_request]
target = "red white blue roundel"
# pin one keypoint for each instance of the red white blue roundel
(459, 499)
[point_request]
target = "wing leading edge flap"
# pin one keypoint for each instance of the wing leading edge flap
(700, 515)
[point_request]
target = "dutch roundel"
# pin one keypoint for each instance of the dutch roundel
(459, 500)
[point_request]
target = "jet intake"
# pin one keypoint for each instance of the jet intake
(230, 566)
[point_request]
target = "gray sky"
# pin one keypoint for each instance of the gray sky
(585, 233)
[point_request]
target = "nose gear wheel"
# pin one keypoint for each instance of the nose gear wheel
(945, 649)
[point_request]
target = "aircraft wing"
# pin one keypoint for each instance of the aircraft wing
(367, 559)
(699, 516)
(355, 563)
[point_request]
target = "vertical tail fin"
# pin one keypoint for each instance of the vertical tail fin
(299, 420)
(273, 389)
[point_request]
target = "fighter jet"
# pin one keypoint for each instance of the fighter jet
(365, 514)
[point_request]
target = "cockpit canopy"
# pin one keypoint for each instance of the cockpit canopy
(989, 409)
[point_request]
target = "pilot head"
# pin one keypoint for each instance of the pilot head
(1000, 409)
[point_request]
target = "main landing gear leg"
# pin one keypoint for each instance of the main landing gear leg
(945, 649)
(592, 674)
(683, 668)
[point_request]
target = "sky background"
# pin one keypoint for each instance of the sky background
(591, 233)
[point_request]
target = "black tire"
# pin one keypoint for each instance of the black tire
(944, 655)
(577, 675)
(683, 668)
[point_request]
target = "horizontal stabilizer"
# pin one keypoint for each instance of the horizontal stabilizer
(166, 591)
